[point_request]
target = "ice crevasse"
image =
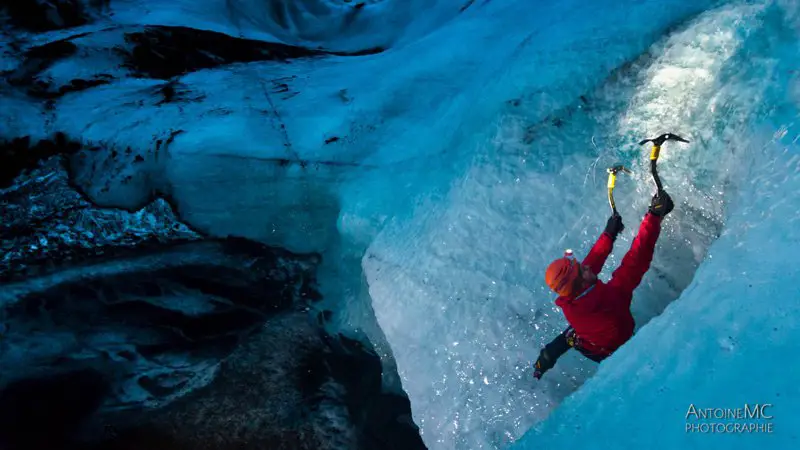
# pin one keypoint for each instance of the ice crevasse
(723, 262)
(441, 172)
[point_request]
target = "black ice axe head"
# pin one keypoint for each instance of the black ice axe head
(659, 141)
(654, 153)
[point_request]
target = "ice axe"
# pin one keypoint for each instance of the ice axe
(654, 153)
(612, 181)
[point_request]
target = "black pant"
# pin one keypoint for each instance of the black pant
(558, 346)
(566, 340)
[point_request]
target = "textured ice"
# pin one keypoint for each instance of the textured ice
(468, 271)
(337, 117)
(441, 176)
(725, 343)
(340, 25)
(477, 261)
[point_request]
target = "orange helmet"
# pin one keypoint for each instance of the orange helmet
(561, 275)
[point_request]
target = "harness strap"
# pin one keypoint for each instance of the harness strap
(574, 341)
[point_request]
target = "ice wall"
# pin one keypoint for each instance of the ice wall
(725, 343)
(328, 142)
(458, 289)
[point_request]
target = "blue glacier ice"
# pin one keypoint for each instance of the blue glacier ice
(439, 177)
(722, 78)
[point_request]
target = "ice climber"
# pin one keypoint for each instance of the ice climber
(598, 313)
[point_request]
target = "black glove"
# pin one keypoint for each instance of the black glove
(543, 364)
(614, 226)
(661, 205)
(551, 352)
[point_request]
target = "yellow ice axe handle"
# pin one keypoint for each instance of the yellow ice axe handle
(612, 180)
(654, 152)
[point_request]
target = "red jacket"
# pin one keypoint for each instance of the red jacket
(601, 316)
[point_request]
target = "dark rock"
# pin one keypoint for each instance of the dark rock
(44, 90)
(165, 52)
(384, 419)
(153, 296)
(48, 225)
(47, 15)
(180, 326)
(324, 316)
(174, 92)
(263, 397)
(159, 318)
(209, 350)
(130, 356)
(364, 52)
(52, 51)
(38, 413)
(18, 155)
(312, 373)
(157, 388)
(290, 386)
(36, 60)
